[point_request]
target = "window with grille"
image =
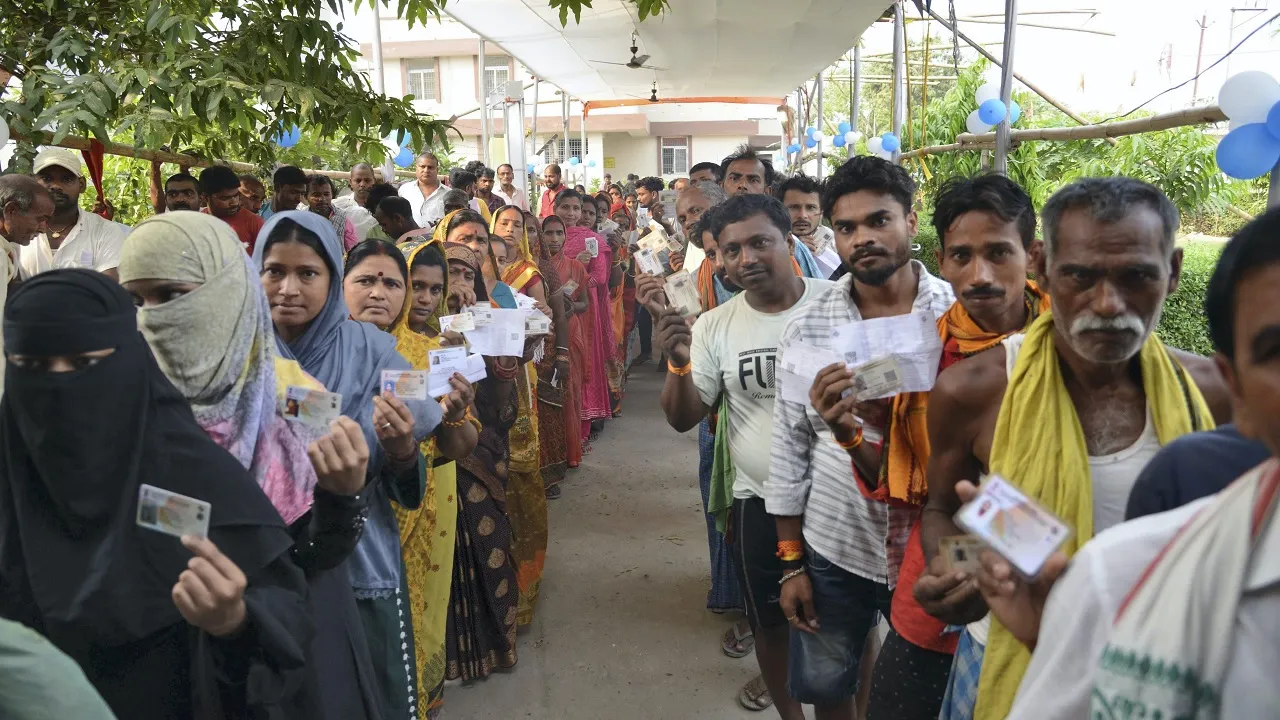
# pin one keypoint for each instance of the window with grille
(675, 155)
(497, 71)
(422, 79)
(575, 150)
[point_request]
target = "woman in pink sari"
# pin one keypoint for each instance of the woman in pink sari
(596, 405)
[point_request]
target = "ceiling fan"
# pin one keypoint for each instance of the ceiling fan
(637, 62)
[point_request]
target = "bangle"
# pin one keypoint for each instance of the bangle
(852, 444)
(788, 576)
(681, 370)
(790, 550)
(457, 423)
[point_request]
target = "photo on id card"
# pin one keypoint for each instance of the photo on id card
(1012, 524)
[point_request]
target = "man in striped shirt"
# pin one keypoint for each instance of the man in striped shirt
(852, 545)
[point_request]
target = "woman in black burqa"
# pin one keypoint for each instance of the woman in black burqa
(163, 628)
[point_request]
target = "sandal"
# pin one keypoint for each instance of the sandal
(553, 492)
(738, 641)
(755, 695)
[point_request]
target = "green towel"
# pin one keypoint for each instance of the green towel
(720, 499)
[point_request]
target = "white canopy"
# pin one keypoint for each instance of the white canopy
(742, 48)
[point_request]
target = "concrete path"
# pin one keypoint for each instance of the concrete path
(622, 629)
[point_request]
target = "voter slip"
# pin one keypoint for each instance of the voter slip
(593, 246)
(535, 323)
(316, 408)
(1012, 524)
(502, 335)
(482, 316)
(569, 288)
(682, 294)
(442, 364)
(647, 261)
(171, 513)
(405, 384)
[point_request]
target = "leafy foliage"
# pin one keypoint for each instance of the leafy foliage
(1183, 324)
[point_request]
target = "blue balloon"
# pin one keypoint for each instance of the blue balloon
(793, 148)
(992, 111)
(890, 142)
(1273, 120)
(591, 163)
(1015, 111)
(1248, 151)
(404, 158)
(844, 127)
(289, 138)
(838, 141)
(810, 143)
(574, 160)
(809, 131)
(532, 167)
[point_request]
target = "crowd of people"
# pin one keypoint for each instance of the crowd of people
(351, 570)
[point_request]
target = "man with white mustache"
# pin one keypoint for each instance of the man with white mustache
(1071, 410)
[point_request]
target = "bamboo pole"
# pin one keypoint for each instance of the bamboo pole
(78, 143)
(950, 147)
(1154, 123)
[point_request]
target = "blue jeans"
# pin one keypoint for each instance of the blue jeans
(823, 667)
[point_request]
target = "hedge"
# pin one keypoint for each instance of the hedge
(1183, 324)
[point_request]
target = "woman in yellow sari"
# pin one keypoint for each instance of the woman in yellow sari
(526, 495)
(427, 534)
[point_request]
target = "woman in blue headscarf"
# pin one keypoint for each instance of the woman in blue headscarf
(300, 258)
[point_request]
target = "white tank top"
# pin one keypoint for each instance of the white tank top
(1112, 475)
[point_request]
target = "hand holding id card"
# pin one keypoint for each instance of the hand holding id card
(1013, 525)
(171, 513)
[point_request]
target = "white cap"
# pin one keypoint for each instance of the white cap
(61, 157)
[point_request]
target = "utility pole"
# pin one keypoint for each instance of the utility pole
(1195, 84)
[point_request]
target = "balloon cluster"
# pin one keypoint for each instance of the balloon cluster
(400, 153)
(289, 138)
(991, 110)
(845, 135)
(884, 146)
(1251, 101)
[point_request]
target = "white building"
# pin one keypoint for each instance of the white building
(439, 65)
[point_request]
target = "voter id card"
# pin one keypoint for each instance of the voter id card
(960, 553)
(1013, 525)
(316, 408)
(171, 513)
(405, 384)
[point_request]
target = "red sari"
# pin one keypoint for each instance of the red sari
(579, 355)
(595, 395)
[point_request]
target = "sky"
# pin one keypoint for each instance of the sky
(1154, 47)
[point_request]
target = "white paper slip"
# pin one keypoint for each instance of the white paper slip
(642, 217)
(877, 379)
(502, 336)
(524, 302)
(171, 513)
(593, 246)
(316, 408)
(607, 227)
(569, 288)
(535, 323)
(405, 384)
(803, 362)
(912, 338)
(475, 369)
(682, 294)
(647, 261)
(443, 363)
(1012, 524)
(461, 322)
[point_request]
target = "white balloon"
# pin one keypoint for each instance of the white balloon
(989, 91)
(819, 136)
(4, 132)
(852, 137)
(874, 144)
(975, 125)
(885, 155)
(1246, 97)
(391, 144)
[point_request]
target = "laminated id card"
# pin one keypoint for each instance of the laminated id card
(1013, 525)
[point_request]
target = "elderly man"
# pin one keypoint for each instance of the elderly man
(360, 180)
(426, 192)
(75, 237)
(506, 188)
(1070, 411)
(25, 209)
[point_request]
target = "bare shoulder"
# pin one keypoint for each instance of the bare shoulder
(973, 384)
(1204, 371)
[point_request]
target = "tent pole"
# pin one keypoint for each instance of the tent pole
(795, 163)
(564, 132)
(855, 79)
(533, 133)
(818, 83)
(484, 111)
(582, 145)
(899, 73)
(1006, 86)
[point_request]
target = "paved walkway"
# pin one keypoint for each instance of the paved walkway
(622, 630)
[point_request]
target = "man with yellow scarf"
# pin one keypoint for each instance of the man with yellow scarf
(986, 229)
(1069, 412)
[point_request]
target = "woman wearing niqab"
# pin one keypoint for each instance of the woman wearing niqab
(87, 418)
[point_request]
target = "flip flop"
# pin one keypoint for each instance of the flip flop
(754, 696)
(737, 643)
(553, 492)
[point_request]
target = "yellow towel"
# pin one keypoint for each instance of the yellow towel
(1039, 447)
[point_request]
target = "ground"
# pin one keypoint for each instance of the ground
(622, 629)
